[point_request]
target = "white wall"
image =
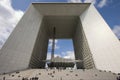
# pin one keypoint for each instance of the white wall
(40, 48)
(81, 49)
(17, 51)
(104, 45)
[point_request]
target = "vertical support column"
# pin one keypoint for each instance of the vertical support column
(81, 48)
(40, 48)
(104, 45)
(53, 44)
(17, 51)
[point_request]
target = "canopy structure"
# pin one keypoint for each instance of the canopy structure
(59, 62)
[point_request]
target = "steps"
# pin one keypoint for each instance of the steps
(57, 74)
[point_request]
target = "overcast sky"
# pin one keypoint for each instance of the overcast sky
(12, 10)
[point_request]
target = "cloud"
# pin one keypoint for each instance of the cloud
(69, 55)
(66, 54)
(48, 56)
(99, 3)
(8, 19)
(75, 1)
(102, 3)
(90, 1)
(55, 55)
(116, 30)
(50, 44)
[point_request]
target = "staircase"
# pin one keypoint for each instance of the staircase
(60, 74)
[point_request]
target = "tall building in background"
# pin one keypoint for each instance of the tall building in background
(94, 42)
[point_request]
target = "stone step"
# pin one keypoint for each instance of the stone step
(57, 74)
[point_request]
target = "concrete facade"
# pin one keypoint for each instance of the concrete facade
(93, 40)
(103, 44)
(16, 52)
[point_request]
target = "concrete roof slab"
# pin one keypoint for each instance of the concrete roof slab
(69, 9)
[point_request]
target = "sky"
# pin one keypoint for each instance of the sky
(11, 12)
